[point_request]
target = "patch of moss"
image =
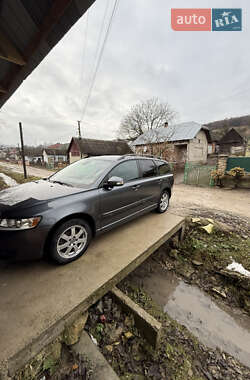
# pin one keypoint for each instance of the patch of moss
(49, 365)
(172, 356)
(215, 250)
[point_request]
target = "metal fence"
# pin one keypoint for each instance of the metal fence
(242, 162)
(199, 175)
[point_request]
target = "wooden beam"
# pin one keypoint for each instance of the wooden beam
(8, 52)
(56, 11)
(2, 90)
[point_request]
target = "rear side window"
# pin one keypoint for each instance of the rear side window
(127, 170)
(148, 168)
(163, 167)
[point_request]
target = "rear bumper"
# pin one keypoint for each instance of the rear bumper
(22, 245)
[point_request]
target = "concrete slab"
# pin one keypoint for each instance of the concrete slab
(149, 327)
(38, 299)
(100, 367)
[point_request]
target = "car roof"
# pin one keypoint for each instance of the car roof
(126, 157)
(138, 156)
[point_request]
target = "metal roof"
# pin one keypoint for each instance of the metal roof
(177, 132)
(29, 29)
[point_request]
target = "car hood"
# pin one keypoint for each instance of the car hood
(33, 193)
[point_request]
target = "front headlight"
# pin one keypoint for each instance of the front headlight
(19, 224)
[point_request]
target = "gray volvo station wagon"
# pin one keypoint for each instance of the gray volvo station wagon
(58, 216)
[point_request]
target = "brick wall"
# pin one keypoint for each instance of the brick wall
(164, 150)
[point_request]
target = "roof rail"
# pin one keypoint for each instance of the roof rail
(140, 155)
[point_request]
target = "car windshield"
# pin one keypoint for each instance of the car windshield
(82, 173)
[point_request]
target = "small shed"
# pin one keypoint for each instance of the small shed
(81, 148)
(229, 136)
(34, 155)
(34, 158)
(233, 142)
(54, 156)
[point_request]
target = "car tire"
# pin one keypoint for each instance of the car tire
(163, 202)
(70, 240)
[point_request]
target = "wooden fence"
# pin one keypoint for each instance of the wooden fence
(199, 175)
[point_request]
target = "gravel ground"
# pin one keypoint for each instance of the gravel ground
(186, 197)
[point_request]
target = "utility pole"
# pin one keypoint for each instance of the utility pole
(79, 129)
(22, 150)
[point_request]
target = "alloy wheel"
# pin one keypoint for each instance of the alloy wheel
(72, 241)
(164, 201)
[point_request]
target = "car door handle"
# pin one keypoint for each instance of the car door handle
(136, 187)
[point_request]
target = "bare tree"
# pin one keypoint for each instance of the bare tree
(145, 116)
(156, 142)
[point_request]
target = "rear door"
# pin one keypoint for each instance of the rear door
(150, 184)
(164, 170)
(120, 202)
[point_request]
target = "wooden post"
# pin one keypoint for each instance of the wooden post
(186, 169)
(198, 175)
(79, 129)
(182, 232)
(22, 150)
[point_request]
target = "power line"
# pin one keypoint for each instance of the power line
(100, 57)
(84, 49)
(97, 45)
(101, 30)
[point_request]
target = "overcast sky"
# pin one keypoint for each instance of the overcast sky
(204, 76)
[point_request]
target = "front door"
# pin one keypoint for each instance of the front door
(120, 202)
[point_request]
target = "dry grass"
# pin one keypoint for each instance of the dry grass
(18, 177)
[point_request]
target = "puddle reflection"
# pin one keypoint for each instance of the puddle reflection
(201, 315)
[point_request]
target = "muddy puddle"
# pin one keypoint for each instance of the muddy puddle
(214, 325)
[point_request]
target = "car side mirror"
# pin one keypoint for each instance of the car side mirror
(114, 181)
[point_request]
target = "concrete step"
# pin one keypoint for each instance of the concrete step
(88, 350)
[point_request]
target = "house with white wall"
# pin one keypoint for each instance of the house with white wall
(180, 143)
(54, 156)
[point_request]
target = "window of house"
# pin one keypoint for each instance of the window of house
(127, 170)
(163, 167)
(148, 168)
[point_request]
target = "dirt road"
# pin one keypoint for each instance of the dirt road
(231, 201)
(37, 172)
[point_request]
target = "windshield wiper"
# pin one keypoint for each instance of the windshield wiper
(61, 183)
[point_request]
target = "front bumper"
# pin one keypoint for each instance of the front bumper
(22, 245)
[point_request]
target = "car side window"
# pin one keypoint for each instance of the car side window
(148, 168)
(127, 170)
(163, 167)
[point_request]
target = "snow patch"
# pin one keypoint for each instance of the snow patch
(236, 267)
(93, 339)
(8, 180)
